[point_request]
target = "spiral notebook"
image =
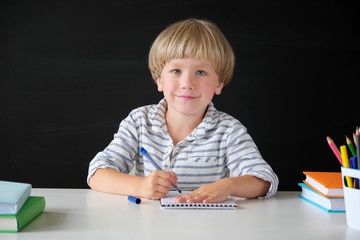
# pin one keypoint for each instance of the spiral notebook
(169, 203)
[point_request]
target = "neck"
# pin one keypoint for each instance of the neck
(180, 126)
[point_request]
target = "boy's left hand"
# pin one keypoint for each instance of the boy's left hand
(209, 193)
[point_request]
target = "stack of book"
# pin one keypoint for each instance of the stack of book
(324, 189)
(17, 207)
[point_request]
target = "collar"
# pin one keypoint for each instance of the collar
(211, 118)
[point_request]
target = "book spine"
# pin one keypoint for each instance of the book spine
(35, 205)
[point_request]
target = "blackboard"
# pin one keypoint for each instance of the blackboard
(72, 70)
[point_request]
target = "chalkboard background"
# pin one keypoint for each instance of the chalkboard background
(72, 70)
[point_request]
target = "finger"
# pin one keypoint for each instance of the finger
(214, 198)
(196, 199)
(192, 197)
(174, 174)
(157, 195)
(157, 183)
(171, 176)
(180, 199)
(156, 191)
(210, 200)
(167, 175)
(163, 190)
(183, 198)
(164, 182)
(167, 180)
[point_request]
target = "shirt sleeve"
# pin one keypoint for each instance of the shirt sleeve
(120, 153)
(244, 158)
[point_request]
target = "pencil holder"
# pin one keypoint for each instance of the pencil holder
(352, 198)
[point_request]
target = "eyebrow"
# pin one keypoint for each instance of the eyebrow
(199, 66)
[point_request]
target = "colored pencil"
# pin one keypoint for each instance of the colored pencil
(350, 145)
(334, 149)
(354, 139)
(357, 147)
(346, 163)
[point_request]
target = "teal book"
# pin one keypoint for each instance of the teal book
(13, 196)
(30, 210)
(333, 204)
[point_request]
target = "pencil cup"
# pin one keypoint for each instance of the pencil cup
(352, 198)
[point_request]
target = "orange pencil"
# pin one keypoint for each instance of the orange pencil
(354, 139)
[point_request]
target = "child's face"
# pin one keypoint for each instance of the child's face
(188, 85)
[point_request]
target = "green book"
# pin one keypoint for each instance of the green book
(30, 210)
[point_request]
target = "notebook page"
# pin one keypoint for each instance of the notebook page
(169, 203)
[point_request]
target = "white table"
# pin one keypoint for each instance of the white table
(86, 214)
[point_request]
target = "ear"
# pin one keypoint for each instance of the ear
(219, 88)
(159, 84)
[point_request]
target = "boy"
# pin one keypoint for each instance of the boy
(195, 145)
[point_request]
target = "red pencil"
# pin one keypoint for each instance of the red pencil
(335, 149)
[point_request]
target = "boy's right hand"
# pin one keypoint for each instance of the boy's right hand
(158, 184)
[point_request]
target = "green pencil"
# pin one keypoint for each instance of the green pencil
(351, 146)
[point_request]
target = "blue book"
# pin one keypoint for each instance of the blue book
(13, 196)
(329, 204)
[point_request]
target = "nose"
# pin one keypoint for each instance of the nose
(187, 81)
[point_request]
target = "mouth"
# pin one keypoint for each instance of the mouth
(186, 97)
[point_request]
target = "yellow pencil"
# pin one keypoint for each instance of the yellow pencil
(346, 164)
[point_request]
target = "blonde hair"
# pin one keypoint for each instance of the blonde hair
(193, 38)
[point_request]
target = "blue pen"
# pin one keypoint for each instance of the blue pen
(134, 199)
(145, 153)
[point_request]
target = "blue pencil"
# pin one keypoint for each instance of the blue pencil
(354, 165)
(145, 153)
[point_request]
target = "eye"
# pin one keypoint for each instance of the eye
(200, 73)
(176, 71)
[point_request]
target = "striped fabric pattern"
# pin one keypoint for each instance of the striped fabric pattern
(220, 144)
